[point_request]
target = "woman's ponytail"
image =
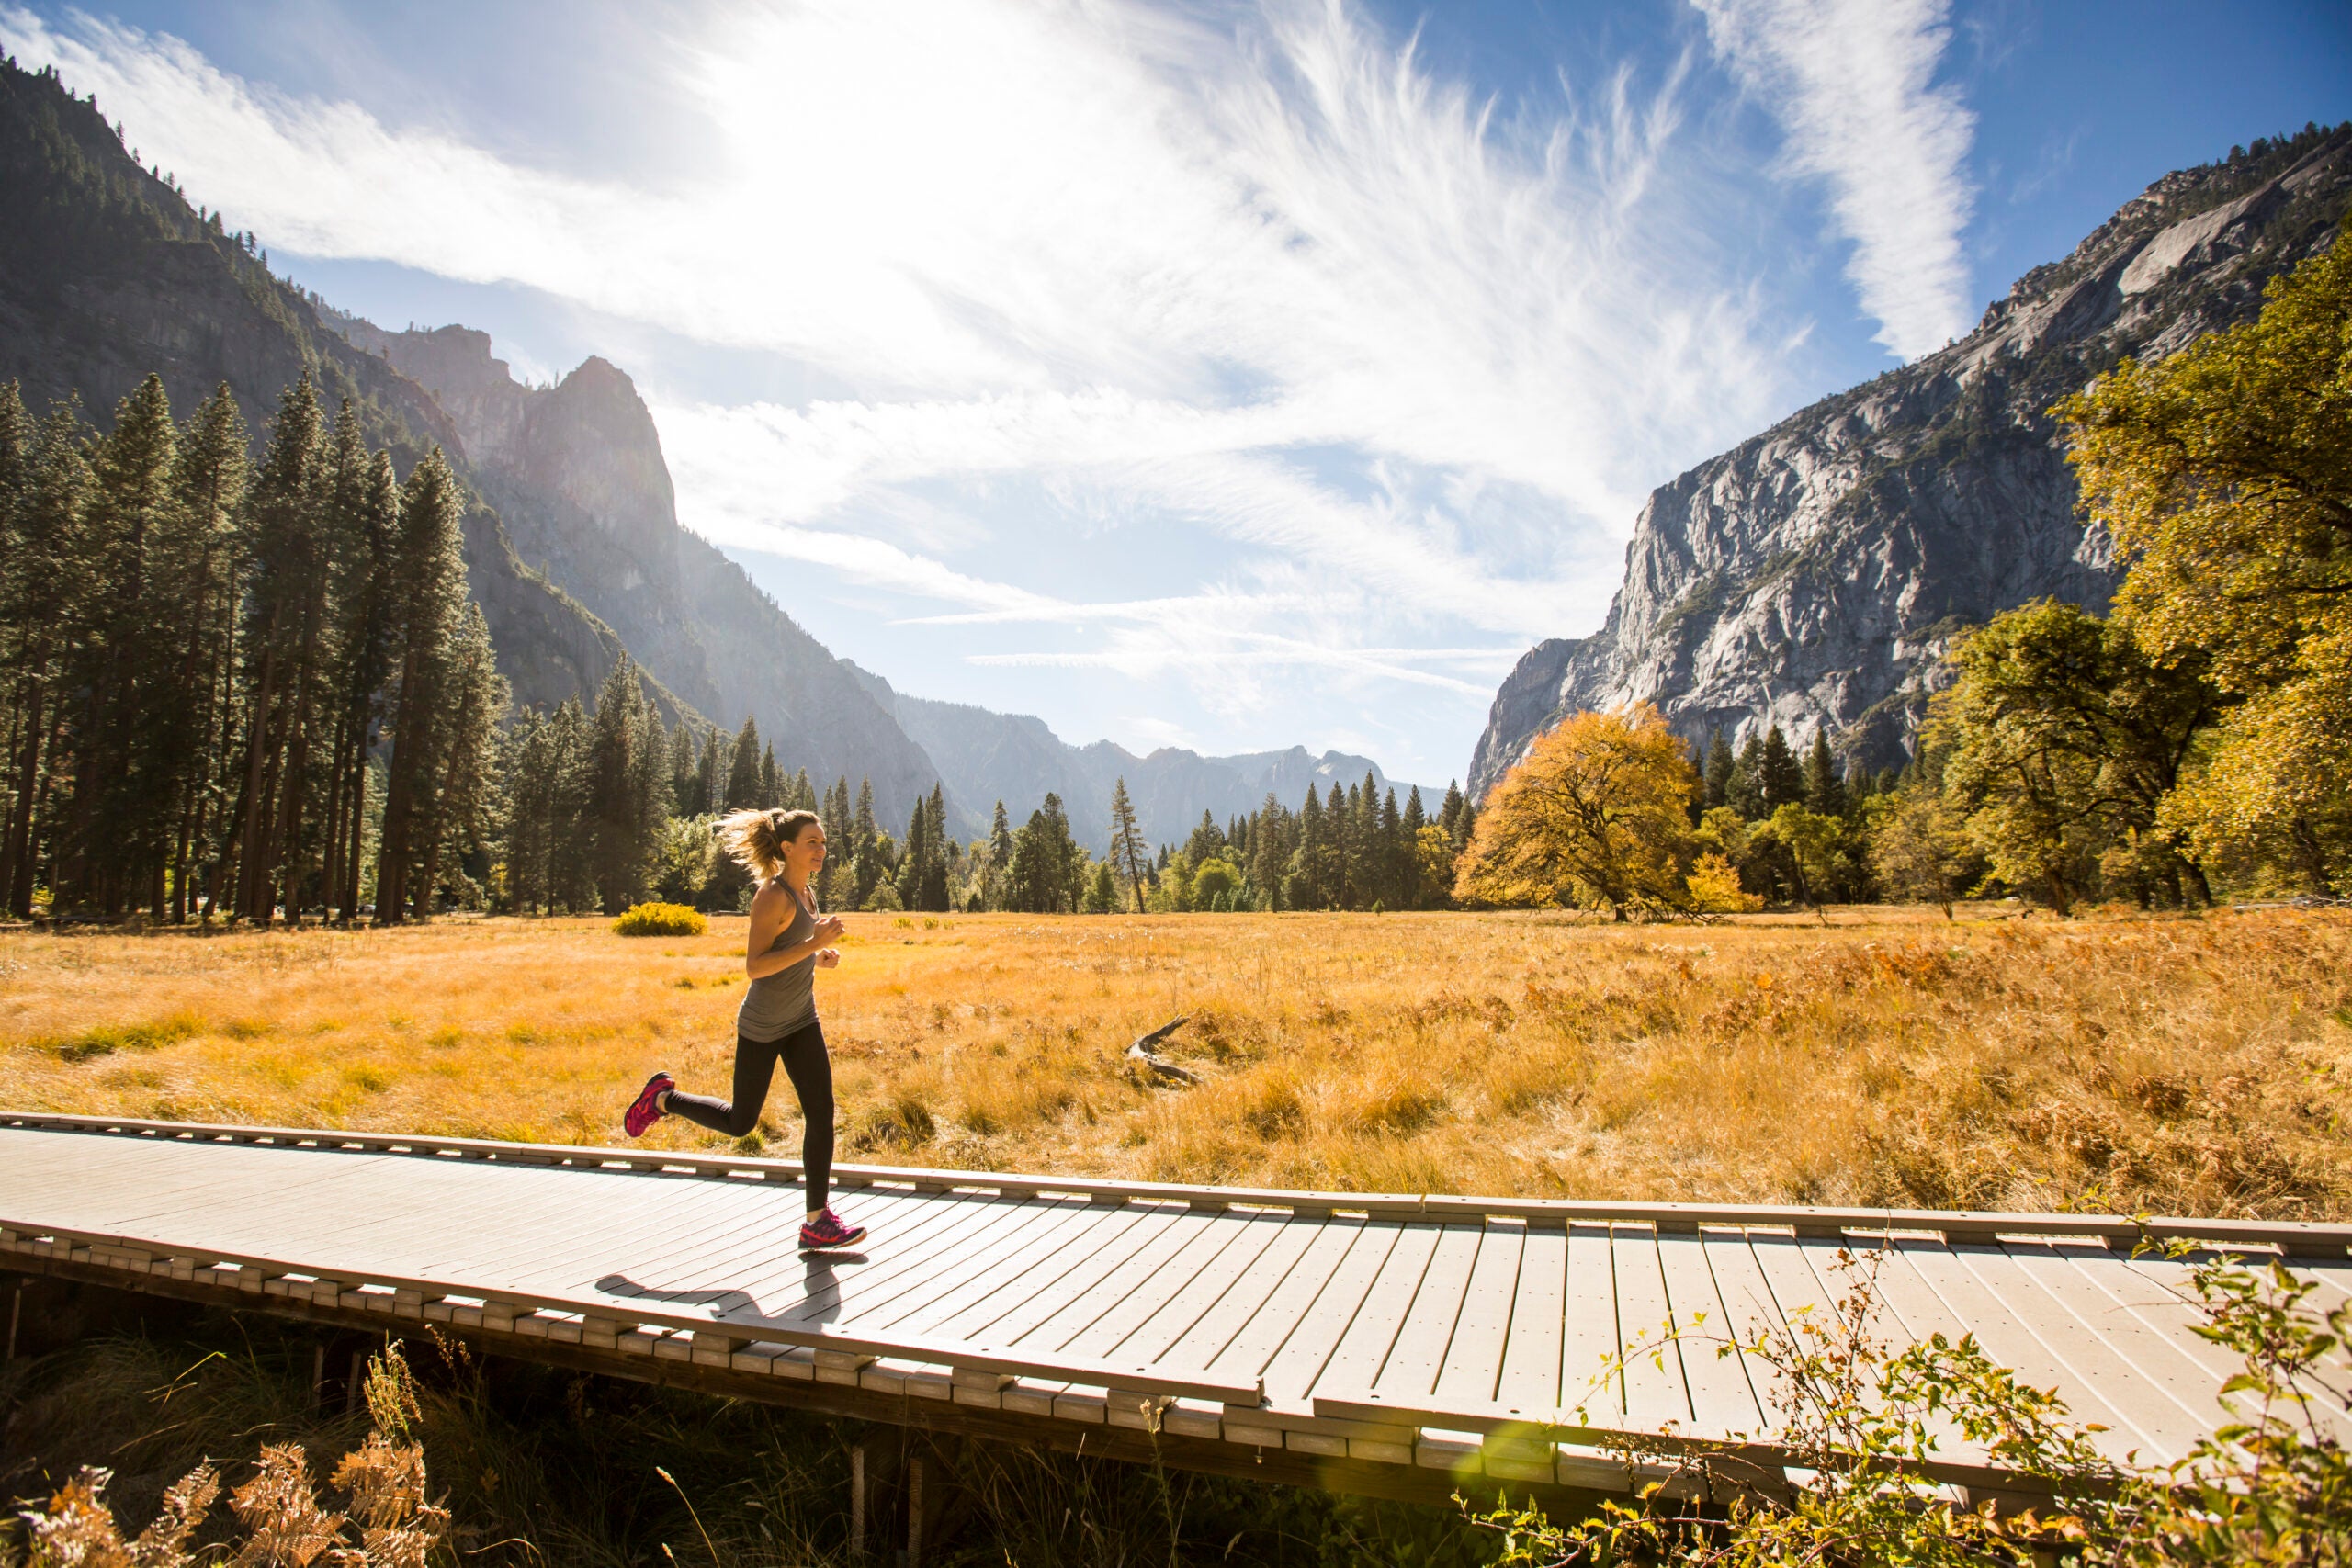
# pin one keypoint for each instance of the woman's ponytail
(756, 838)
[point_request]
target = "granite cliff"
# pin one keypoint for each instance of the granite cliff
(1816, 574)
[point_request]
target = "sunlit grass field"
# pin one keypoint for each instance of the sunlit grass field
(2173, 1064)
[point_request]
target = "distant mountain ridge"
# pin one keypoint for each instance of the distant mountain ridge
(1017, 758)
(1816, 574)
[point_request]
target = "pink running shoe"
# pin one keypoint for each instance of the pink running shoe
(646, 1109)
(827, 1232)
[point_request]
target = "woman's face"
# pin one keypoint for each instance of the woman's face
(805, 856)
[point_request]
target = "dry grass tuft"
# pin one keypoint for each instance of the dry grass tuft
(2173, 1064)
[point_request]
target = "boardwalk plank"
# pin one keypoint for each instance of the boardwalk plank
(1471, 1363)
(1410, 1374)
(1072, 1231)
(1287, 1322)
(1363, 1350)
(2012, 1342)
(1657, 1398)
(1020, 1304)
(1591, 1336)
(1294, 1252)
(1720, 1402)
(1203, 1257)
(1528, 1376)
(1156, 1339)
(1301, 1360)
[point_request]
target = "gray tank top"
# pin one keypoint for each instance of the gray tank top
(775, 1005)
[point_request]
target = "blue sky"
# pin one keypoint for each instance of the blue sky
(1231, 375)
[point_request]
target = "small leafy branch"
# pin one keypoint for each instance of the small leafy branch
(1858, 1481)
(283, 1522)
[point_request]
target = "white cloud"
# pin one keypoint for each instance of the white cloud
(1391, 363)
(1852, 82)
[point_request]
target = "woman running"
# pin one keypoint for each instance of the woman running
(778, 1019)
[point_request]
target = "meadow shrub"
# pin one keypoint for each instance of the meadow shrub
(661, 919)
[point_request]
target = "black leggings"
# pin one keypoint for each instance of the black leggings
(811, 1072)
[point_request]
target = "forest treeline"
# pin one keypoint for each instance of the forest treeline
(2197, 740)
(234, 682)
(605, 807)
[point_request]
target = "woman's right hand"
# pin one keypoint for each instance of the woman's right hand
(829, 927)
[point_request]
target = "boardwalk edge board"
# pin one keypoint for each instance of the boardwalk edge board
(2291, 1238)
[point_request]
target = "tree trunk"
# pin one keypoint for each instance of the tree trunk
(19, 856)
(252, 801)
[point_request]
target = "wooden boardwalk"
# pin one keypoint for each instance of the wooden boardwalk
(1440, 1337)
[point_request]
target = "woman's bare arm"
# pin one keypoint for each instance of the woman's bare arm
(770, 912)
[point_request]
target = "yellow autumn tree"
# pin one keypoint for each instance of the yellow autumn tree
(2225, 474)
(1596, 817)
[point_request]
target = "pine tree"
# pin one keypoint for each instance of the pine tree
(1781, 778)
(1127, 838)
(531, 786)
(930, 892)
(213, 478)
(285, 612)
(1718, 769)
(425, 594)
(1207, 842)
(1413, 894)
(619, 844)
(864, 843)
(571, 881)
(683, 802)
(710, 773)
(469, 798)
(770, 781)
(365, 522)
(1389, 893)
(743, 771)
(1307, 884)
(1745, 791)
(118, 839)
(835, 815)
(1824, 791)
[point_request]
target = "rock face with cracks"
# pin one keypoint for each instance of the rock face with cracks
(1815, 575)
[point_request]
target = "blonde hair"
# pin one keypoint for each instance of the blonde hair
(756, 838)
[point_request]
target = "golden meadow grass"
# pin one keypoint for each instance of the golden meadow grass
(2174, 1064)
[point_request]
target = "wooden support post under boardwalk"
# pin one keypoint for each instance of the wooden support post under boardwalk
(15, 1307)
(914, 1511)
(857, 1500)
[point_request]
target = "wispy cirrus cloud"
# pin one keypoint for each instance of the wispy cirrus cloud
(1853, 80)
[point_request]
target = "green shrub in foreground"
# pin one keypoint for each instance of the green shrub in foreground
(661, 919)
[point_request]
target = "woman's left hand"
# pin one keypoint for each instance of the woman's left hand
(829, 958)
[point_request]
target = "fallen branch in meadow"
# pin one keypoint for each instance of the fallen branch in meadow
(1143, 1051)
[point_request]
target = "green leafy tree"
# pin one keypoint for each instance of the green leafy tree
(2065, 741)
(2225, 474)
